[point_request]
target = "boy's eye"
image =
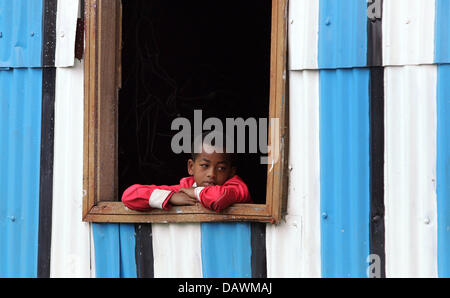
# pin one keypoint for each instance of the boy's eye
(221, 168)
(204, 165)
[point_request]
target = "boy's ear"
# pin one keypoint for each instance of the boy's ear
(190, 166)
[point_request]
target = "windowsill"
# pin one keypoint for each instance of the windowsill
(117, 212)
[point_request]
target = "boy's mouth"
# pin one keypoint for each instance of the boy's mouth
(209, 183)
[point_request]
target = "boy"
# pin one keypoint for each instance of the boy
(213, 183)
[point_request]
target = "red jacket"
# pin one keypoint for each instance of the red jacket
(217, 197)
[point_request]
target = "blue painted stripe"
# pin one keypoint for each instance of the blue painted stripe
(226, 250)
(114, 250)
(20, 142)
(128, 268)
(443, 170)
(442, 52)
(107, 250)
(342, 33)
(345, 174)
(21, 33)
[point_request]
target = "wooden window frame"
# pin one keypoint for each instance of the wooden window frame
(102, 77)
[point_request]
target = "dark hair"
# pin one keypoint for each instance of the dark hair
(230, 155)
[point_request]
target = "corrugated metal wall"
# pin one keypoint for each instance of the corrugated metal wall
(443, 170)
(344, 171)
(226, 250)
(293, 247)
(410, 184)
(414, 35)
(369, 157)
(20, 131)
(442, 32)
(342, 43)
(20, 33)
(408, 32)
(166, 241)
(70, 252)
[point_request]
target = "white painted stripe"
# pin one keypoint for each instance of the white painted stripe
(410, 171)
(92, 256)
(408, 32)
(177, 250)
(70, 249)
(66, 27)
(303, 34)
(293, 246)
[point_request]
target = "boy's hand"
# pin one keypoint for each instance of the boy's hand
(189, 191)
(182, 199)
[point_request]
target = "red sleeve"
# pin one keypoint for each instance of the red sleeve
(137, 197)
(219, 197)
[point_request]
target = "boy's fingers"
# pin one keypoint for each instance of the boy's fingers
(185, 199)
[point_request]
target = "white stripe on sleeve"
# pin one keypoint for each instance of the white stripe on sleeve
(197, 192)
(158, 197)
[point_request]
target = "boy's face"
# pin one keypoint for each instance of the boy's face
(211, 168)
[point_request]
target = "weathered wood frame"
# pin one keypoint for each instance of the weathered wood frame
(102, 68)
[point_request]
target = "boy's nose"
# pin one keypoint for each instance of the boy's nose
(211, 173)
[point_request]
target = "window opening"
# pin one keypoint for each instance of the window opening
(181, 56)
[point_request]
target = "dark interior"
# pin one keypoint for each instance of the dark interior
(184, 55)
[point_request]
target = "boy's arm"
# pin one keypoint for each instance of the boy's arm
(147, 197)
(219, 197)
